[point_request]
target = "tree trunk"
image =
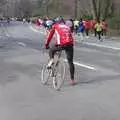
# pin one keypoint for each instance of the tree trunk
(106, 12)
(76, 8)
(94, 5)
(99, 10)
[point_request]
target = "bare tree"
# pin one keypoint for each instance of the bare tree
(76, 8)
(2, 3)
(44, 5)
(101, 8)
(95, 9)
(23, 8)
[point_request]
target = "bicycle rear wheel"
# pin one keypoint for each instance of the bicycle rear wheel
(45, 74)
(59, 75)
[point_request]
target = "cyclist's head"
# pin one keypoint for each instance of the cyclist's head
(59, 19)
(49, 24)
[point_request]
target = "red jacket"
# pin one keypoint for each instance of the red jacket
(87, 24)
(38, 22)
(93, 23)
(63, 35)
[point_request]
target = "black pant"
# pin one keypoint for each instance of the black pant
(99, 34)
(72, 29)
(95, 32)
(104, 32)
(76, 29)
(69, 53)
(87, 32)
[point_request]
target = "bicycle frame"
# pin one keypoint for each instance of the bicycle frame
(53, 71)
(56, 62)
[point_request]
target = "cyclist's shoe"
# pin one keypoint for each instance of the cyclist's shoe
(50, 64)
(72, 82)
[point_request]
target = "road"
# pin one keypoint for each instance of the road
(95, 97)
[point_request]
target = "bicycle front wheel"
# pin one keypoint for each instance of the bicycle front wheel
(45, 75)
(59, 75)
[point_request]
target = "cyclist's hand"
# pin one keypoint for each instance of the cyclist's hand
(47, 47)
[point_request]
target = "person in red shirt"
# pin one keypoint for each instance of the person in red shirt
(63, 41)
(87, 25)
(93, 23)
(38, 22)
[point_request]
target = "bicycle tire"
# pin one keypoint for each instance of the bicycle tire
(45, 73)
(59, 71)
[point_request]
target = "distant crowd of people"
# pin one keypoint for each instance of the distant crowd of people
(79, 27)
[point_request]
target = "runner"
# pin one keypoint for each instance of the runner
(76, 25)
(81, 29)
(104, 27)
(87, 25)
(98, 28)
(93, 23)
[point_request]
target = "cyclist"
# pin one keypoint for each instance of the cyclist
(64, 41)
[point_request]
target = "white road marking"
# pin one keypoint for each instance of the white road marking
(102, 46)
(33, 29)
(83, 65)
(37, 31)
(22, 44)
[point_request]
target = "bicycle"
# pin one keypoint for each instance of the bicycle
(56, 72)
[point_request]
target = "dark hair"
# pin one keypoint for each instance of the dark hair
(81, 19)
(70, 19)
(98, 21)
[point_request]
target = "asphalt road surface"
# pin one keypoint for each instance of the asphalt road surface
(22, 97)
